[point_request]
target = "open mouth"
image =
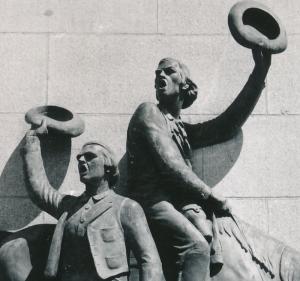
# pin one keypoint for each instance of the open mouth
(161, 83)
(82, 169)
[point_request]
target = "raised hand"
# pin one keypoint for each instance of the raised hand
(262, 60)
(219, 203)
(40, 130)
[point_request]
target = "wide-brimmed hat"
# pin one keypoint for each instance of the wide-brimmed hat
(58, 119)
(252, 25)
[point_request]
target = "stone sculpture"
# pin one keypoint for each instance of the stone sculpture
(159, 169)
(179, 205)
(94, 231)
(197, 235)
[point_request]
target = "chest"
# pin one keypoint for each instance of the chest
(92, 215)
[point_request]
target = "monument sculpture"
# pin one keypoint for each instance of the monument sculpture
(196, 234)
(181, 209)
(96, 230)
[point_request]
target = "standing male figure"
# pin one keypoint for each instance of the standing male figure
(160, 174)
(100, 225)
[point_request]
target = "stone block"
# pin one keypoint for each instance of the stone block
(114, 74)
(252, 211)
(262, 161)
(23, 75)
(193, 17)
(106, 74)
(284, 220)
(90, 16)
(283, 81)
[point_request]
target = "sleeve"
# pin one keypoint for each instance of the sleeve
(38, 187)
(227, 124)
(149, 123)
(139, 239)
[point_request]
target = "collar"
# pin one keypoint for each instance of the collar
(99, 196)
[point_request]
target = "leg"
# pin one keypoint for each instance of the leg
(195, 214)
(191, 250)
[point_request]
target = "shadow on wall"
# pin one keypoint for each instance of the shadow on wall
(214, 162)
(211, 163)
(17, 210)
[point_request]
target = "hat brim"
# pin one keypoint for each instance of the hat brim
(254, 25)
(58, 119)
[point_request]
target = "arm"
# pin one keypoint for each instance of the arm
(226, 125)
(37, 184)
(140, 241)
(150, 126)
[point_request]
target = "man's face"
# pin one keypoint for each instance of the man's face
(91, 164)
(168, 79)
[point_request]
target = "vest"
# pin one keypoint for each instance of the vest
(105, 240)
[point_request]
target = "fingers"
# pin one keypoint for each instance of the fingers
(38, 130)
(42, 129)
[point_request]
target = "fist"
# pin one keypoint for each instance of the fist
(40, 130)
(262, 59)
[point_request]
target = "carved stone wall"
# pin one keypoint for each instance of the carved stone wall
(98, 58)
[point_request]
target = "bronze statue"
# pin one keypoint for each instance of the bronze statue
(160, 177)
(95, 230)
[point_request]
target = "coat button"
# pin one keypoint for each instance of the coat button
(87, 207)
(82, 220)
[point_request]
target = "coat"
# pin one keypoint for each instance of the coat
(104, 227)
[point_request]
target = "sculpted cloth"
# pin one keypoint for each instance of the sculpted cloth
(99, 230)
(160, 176)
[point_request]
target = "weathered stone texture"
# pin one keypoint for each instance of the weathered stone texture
(23, 73)
(88, 16)
(261, 161)
(252, 211)
(116, 74)
(283, 81)
(284, 220)
(98, 58)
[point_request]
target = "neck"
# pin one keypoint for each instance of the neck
(94, 189)
(172, 106)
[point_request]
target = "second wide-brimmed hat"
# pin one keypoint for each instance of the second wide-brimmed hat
(58, 119)
(252, 25)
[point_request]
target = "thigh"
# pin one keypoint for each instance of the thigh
(172, 226)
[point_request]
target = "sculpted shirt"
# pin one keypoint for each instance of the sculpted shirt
(97, 229)
(158, 148)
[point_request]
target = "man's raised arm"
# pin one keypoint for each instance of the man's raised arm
(227, 124)
(37, 184)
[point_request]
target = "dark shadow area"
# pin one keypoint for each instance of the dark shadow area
(16, 208)
(214, 162)
(56, 153)
(122, 185)
(210, 163)
(31, 244)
